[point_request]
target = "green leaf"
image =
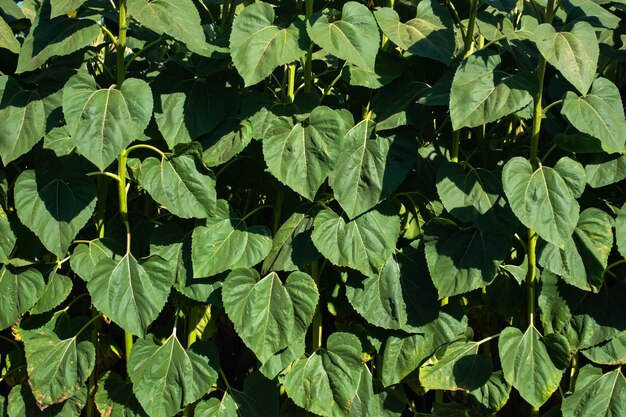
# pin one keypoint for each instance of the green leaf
(599, 113)
(386, 69)
(86, 257)
(573, 52)
(611, 352)
(167, 377)
(61, 7)
(527, 365)
(364, 244)
(403, 355)
(429, 34)
(258, 46)
(105, 121)
(494, 394)
(213, 407)
(178, 183)
(620, 230)
(326, 382)
(130, 293)
(59, 141)
(23, 404)
(55, 207)
(584, 258)
(481, 94)
(591, 12)
(57, 368)
(455, 367)
(7, 237)
(58, 36)
(573, 173)
(268, 315)
(19, 291)
(7, 37)
(541, 200)
(373, 401)
(57, 288)
(605, 169)
(292, 248)
(179, 19)
(301, 155)
(225, 242)
(597, 394)
(392, 106)
(225, 142)
(115, 397)
(370, 167)
(353, 38)
(464, 259)
(22, 119)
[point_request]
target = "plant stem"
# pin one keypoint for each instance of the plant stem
(121, 189)
(291, 82)
(120, 46)
(278, 210)
(573, 373)
(468, 46)
(82, 329)
(316, 330)
(145, 146)
(308, 61)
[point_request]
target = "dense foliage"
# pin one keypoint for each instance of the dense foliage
(297, 207)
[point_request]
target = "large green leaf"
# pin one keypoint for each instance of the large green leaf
(326, 382)
(131, 293)
(167, 377)
(605, 169)
(364, 244)
(7, 38)
(55, 207)
(178, 19)
(620, 230)
(225, 142)
(464, 259)
(482, 94)
(7, 236)
(57, 368)
(180, 184)
(268, 315)
(57, 288)
(527, 364)
(354, 37)
(373, 401)
(370, 167)
(258, 46)
(57, 36)
(302, 154)
(611, 352)
(61, 7)
(455, 367)
(494, 394)
(599, 113)
(115, 397)
(597, 394)
(429, 34)
(586, 253)
(403, 355)
(22, 119)
(225, 242)
(23, 404)
(573, 52)
(105, 121)
(541, 200)
(19, 291)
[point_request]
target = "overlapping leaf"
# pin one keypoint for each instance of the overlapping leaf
(20, 289)
(597, 394)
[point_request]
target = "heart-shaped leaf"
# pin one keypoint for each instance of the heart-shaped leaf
(180, 185)
(574, 52)
(105, 121)
(167, 377)
(481, 94)
(22, 404)
(57, 288)
(258, 46)
(354, 37)
(430, 33)
(596, 394)
(19, 291)
(455, 367)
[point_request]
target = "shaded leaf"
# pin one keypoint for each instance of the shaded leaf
(20, 289)
(22, 404)
(115, 397)
(57, 288)
(597, 394)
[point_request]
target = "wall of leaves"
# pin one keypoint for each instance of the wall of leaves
(367, 208)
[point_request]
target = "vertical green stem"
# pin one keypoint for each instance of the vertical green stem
(120, 47)
(291, 82)
(573, 375)
(308, 61)
(386, 43)
(316, 331)
(468, 46)
(121, 189)
(278, 210)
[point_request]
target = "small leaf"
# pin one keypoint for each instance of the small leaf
(605, 169)
(7, 37)
(354, 37)
(541, 200)
(19, 291)
(115, 397)
(481, 94)
(258, 46)
(7, 237)
(527, 365)
(268, 315)
(57, 368)
(402, 356)
(370, 167)
(364, 244)
(574, 52)
(326, 382)
(57, 288)
(494, 394)
(180, 185)
(105, 121)
(597, 394)
(225, 242)
(599, 113)
(55, 206)
(59, 141)
(429, 34)
(301, 155)
(455, 367)
(167, 377)
(226, 142)
(61, 7)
